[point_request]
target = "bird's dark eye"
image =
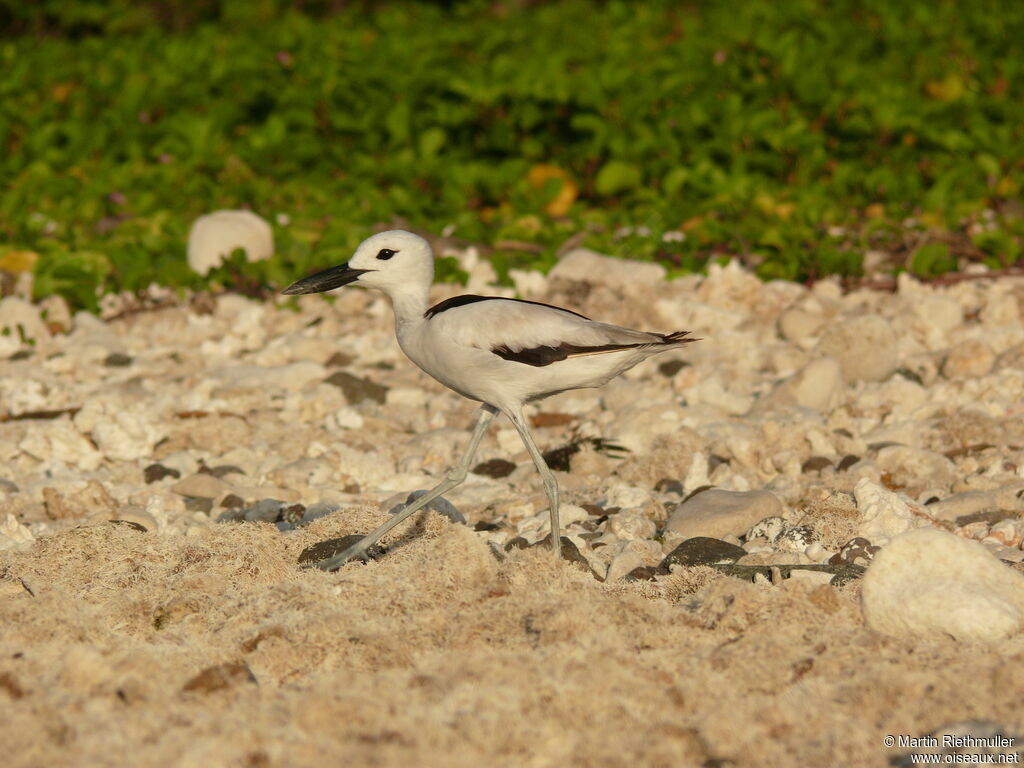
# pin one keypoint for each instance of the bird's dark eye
(385, 254)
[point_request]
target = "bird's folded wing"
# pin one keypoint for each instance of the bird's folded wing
(509, 327)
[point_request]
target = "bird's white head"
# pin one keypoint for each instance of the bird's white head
(396, 262)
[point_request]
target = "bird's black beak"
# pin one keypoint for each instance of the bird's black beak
(335, 277)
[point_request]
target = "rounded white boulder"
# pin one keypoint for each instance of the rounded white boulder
(928, 582)
(214, 236)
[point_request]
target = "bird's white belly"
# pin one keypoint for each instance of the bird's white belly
(483, 376)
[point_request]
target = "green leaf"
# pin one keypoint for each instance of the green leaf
(617, 176)
(932, 259)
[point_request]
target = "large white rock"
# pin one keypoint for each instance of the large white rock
(59, 441)
(214, 236)
(14, 535)
(969, 360)
(929, 582)
(586, 266)
(19, 321)
(121, 431)
(916, 468)
(884, 514)
(818, 385)
(864, 346)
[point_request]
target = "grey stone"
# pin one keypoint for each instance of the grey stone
(264, 511)
(200, 486)
(1008, 498)
(318, 510)
(717, 513)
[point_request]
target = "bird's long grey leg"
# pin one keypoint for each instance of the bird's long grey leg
(455, 476)
(550, 484)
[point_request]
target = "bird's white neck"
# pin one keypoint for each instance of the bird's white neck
(410, 304)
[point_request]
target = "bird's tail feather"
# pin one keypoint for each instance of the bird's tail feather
(679, 337)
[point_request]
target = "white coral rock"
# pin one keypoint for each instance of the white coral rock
(214, 236)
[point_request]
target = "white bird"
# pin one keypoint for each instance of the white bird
(500, 352)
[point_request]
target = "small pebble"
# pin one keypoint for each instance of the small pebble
(264, 511)
(220, 677)
(156, 472)
(440, 505)
(118, 360)
(326, 549)
(668, 485)
(495, 468)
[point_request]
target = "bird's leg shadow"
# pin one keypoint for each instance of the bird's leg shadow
(455, 476)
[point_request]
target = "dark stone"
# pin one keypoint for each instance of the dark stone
(326, 549)
(882, 444)
(9, 685)
(846, 462)
(558, 458)
(232, 515)
(223, 469)
(516, 543)
(118, 360)
(670, 368)
(220, 677)
(702, 550)
(8, 486)
(339, 360)
(857, 551)
(232, 501)
(483, 525)
(21, 354)
(440, 505)
(594, 509)
(643, 573)
(131, 524)
(909, 375)
(496, 468)
(569, 552)
(264, 511)
(156, 472)
(816, 464)
(355, 389)
(668, 485)
(714, 460)
(198, 505)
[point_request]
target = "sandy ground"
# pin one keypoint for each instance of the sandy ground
(203, 644)
(147, 650)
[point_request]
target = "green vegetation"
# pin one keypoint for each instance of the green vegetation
(798, 134)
